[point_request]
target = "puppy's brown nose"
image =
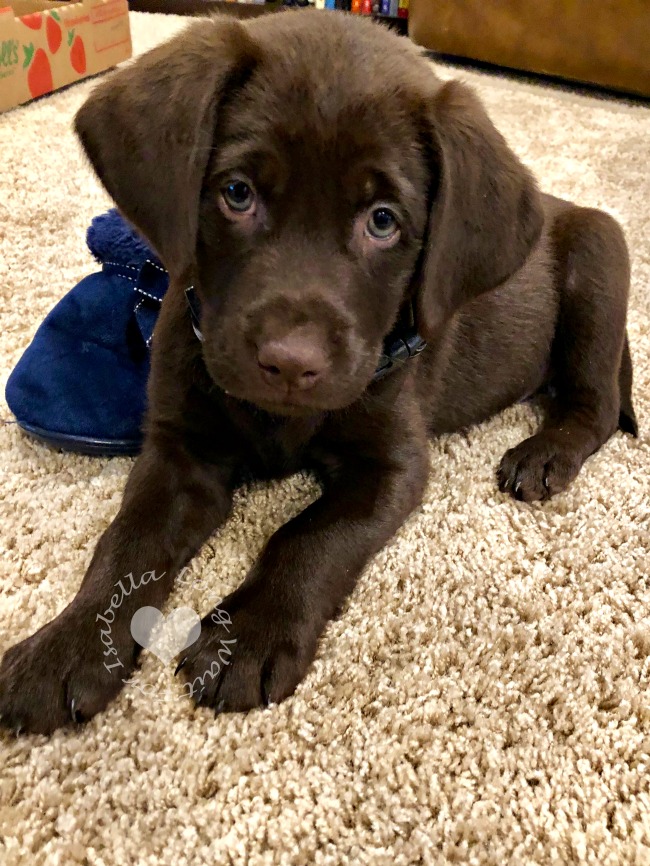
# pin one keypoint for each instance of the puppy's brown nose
(294, 360)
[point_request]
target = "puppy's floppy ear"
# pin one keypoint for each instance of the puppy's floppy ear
(486, 213)
(148, 131)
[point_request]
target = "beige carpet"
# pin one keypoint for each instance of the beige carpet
(484, 698)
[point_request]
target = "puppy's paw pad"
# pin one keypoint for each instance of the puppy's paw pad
(537, 468)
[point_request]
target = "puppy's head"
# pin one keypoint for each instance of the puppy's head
(311, 177)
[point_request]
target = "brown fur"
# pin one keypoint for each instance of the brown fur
(514, 291)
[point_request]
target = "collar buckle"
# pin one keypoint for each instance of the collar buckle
(399, 347)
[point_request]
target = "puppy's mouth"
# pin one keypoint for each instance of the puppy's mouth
(340, 390)
(291, 403)
(288, 408)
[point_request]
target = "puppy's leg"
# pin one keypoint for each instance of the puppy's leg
(259, 647)
(591, 361)
(73, 666)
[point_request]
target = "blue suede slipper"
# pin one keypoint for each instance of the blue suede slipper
(81, 384)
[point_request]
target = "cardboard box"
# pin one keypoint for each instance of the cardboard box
(45, 45)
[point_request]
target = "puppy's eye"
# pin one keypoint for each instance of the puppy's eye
(239, 196)
(382, 224)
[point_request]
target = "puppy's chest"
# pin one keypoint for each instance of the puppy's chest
(272, 447)
(276, 456)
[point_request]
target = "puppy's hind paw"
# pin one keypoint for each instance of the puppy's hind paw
(537, 468)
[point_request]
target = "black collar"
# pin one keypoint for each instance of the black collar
(402, 343)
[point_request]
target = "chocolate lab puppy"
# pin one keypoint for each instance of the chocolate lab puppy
(334, 207)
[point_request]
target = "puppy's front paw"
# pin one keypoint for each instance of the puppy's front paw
(248, 655)
(61, 675)
(538, 467)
